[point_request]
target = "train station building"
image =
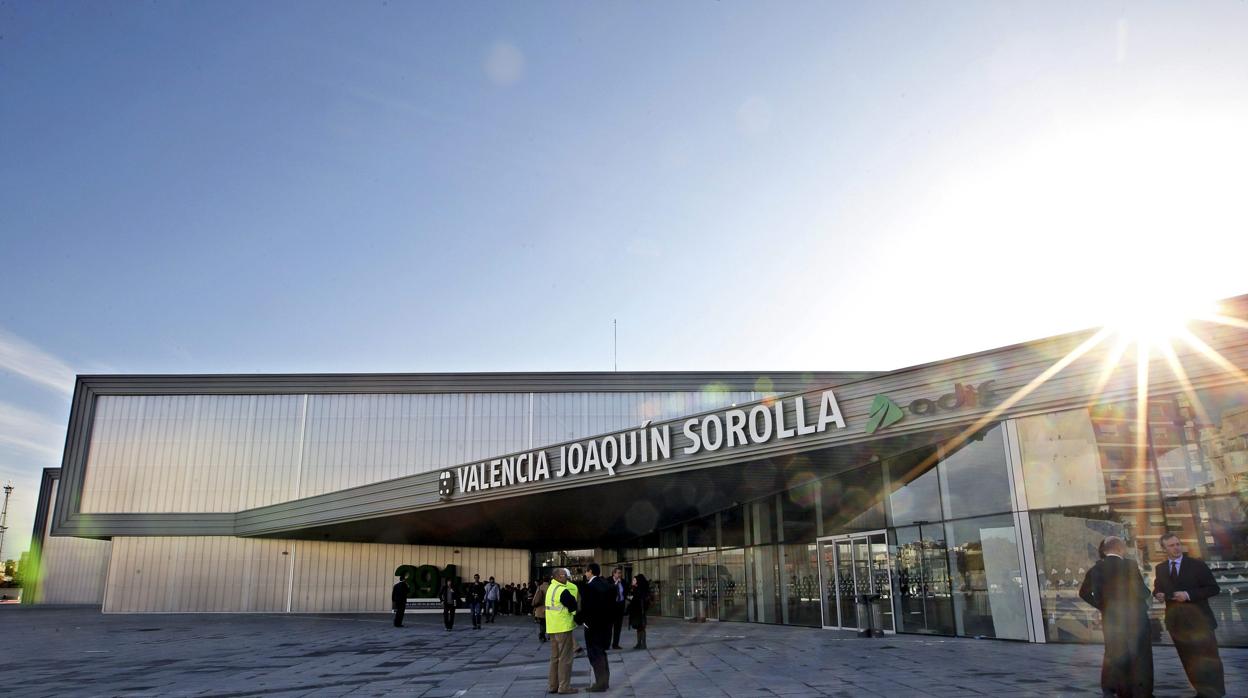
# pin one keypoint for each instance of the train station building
(968, 494)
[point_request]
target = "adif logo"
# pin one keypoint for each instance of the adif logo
(884, 413)
(445, 484)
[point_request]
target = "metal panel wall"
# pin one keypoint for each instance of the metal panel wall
(207, 453)
(356, 577)
(559, 417)
(71, 570)
(197, 574)
(228, 453)
(239, 575)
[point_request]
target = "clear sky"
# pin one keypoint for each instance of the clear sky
(393, 186)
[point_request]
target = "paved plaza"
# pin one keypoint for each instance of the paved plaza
(81, 652)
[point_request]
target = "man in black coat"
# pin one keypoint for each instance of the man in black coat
(398, 601)
(1186, 585)
(475, 591)
(597, 609)
(1115, 588)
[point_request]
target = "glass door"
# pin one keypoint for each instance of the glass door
(850, 566)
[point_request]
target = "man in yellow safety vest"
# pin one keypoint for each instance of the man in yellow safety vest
(561, 600)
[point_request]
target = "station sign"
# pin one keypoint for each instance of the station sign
(724, 430)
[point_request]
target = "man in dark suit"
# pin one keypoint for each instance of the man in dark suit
(398, 601)
(1186, 585)
(617, 621)
(598, 607)
(1115, 588)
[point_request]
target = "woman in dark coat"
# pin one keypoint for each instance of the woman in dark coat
(638, 602)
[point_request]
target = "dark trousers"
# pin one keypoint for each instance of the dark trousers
(1127, 667)
(596, 643)
(476, 613)
(448, 616)
(617, 625)
(541, 629)
(1198, 650)
(398, 615)
(491, 608)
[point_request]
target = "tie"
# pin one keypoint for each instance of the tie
(1174, 569)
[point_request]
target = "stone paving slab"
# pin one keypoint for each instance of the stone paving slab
(81, 652)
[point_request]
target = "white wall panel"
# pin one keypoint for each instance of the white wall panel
(238, 575)
(197, 574)
(178, 453)
(71, 570)
(225, 453)
(357, 577)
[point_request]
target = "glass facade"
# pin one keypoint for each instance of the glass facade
(935, 532)
(1107, 470)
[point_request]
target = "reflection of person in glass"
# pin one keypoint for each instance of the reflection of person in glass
(1115, 588)
(1185, 584)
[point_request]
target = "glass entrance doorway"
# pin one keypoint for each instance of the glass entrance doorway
(697, 580)
(852, 565)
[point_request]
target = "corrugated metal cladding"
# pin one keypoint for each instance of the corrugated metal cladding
(71, 570)
(239, 575)
(227, 453)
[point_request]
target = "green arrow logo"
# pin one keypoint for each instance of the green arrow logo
(884, 413)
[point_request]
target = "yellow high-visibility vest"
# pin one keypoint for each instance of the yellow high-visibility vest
(558, 617)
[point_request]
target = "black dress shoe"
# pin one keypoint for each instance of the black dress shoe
(596, 689)
(616, 647)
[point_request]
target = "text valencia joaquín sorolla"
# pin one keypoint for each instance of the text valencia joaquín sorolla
(646, 444)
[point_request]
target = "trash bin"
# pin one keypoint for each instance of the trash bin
(699, 609)
(869, 620)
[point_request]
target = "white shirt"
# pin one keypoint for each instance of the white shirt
(1174, 565)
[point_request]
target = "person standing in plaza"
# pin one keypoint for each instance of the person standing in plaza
(1115, 588)
(638, 600)
(561, 603)
(539, 609)
(398, 601)
(476, 598)
(491, 600)
(597, 607)
(447, 595)
(617, 617)
(1186, 584)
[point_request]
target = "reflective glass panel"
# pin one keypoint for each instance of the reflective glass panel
(762, 521)
(798, 513)
(701, 534)
(672, 540)
(801, 588)
(973, 478)
(853, 501)
(987, 578)
(732, 527)
(733, 599)
(923, 602)
(1066, 542)
(764, 571)
(915, 495)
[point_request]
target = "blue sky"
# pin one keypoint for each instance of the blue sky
(287, 187)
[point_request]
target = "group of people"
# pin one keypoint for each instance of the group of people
(487, 599)
(1185, 584)
(558, 604)
(600, 605)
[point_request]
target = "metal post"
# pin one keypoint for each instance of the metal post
(4, 522)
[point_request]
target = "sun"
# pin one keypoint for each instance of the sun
(1156, 322)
